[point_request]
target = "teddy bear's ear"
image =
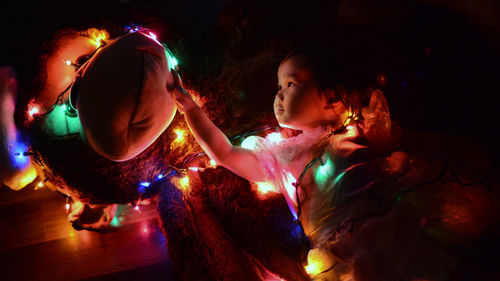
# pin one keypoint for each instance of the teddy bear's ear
(122, 99)
(16, 169)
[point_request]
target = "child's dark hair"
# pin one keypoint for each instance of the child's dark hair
(338, 70)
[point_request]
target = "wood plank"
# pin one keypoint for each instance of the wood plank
(38, 243)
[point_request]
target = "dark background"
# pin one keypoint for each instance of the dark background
(440, 58)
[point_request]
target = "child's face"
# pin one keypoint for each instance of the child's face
(298, 103)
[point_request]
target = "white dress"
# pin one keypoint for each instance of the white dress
(346, 168)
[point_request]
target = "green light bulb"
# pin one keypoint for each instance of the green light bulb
(324, 172)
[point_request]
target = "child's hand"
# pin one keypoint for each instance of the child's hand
(181, 96)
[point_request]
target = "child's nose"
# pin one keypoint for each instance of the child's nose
(280, 96)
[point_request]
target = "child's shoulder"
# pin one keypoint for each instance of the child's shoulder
(284, 151)
(261, 143)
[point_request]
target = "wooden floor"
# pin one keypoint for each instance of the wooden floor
(38, 243)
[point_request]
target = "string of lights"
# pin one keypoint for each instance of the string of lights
(144, 186)
(36, 117)
(352, 116)
(177, 175)
(100, 42)
(182, 171)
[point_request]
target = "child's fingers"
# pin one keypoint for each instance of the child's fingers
(174, 92)
(177, 85)
(179, 96)
(177, 79)
(171, 86)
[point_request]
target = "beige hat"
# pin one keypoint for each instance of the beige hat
(121, 98)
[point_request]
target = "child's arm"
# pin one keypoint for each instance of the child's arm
(212, 140)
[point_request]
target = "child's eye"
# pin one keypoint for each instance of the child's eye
(290, 84)
(279, 87)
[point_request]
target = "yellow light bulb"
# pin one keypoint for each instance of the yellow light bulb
(39, 185)
(182, 183)
(180, 135)
(319, 260)
(264, 187)
(313, 268)
(34, 110)
(97, 37)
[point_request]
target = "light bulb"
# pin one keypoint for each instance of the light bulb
(145, 184)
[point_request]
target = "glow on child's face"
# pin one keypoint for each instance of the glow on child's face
(298, 103)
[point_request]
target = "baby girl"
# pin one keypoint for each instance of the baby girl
(317, 171)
